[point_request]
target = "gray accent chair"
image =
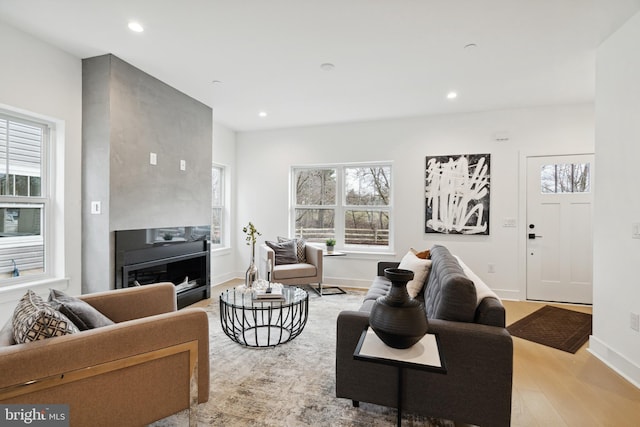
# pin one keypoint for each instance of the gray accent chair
(476, 347)
(294, 274)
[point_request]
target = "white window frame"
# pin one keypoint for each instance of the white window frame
(340, 207)
(224, 213)
(44, 202)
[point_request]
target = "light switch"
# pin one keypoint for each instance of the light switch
(183, 165)
(96, 208)
(153, 159)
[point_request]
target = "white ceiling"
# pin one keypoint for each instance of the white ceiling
(393, 58)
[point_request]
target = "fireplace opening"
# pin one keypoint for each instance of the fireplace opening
(179, 255)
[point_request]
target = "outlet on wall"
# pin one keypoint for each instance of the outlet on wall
(634, 322)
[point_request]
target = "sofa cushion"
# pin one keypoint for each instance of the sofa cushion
(291, 271)
(81, 313)
(420, 268)
(301, 244)
(482, 290)
(34, 319)
(285, 252)
(6, 334)
(449, 294)
(380, 287)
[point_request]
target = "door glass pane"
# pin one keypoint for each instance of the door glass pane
(566, 178)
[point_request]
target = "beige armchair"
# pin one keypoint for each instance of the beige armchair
(153, 362)
(294, 274)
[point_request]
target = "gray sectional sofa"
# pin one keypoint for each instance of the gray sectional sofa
(476, 347)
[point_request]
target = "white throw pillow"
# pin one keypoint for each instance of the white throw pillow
(482, 289)
(420, 268)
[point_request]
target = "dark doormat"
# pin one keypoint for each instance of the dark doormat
(566, 330)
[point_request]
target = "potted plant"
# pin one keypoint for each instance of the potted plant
(331, 243)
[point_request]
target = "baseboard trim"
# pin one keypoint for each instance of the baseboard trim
(223, 278)
(508, 294)
(614, 360)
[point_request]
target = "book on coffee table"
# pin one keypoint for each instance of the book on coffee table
(269, 294)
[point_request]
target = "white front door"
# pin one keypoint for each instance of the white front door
(559, 231)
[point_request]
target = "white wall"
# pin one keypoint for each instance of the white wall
(264, 160)
(223, 261)
(617, 203)
(39, 79)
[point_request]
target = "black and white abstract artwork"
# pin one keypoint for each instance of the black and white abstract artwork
(457, 194)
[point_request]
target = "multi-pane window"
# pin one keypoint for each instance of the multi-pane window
(217, 206)
(566, 178)
(23, 202)
(351, 203)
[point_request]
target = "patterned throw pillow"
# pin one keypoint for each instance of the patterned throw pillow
(34, 319)
(301, 251)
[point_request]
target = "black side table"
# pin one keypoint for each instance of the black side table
(424, 355)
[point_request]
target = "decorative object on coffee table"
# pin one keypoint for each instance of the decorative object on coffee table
(331, 243)
(252, 272)
(398, 320)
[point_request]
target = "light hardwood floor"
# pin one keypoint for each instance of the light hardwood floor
(555, 388)
(552, 388)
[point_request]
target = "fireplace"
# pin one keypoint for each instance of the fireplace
(173, 254)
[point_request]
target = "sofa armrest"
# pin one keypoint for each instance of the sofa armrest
(476, 388)
(478, 385)
(125, 304)
(21, 363)
(267, 255)
(386, 264)
(314, 256)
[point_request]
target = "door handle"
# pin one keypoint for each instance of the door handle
(533, 236)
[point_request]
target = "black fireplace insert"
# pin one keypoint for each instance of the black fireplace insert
(172, 254)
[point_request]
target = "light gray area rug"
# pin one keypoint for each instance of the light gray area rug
(289, 385)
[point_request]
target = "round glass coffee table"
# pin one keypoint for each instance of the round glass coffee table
(255, 323)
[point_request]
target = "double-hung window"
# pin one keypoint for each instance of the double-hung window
(24, 199)
(351, 203)
(218, 206)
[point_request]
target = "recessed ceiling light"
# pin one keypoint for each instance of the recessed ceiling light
(135, 26)
(452, 95)
(262, 114)
(327, 66)
(470, 46)
(216, 82)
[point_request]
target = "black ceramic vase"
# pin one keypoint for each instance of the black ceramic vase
(397, 319)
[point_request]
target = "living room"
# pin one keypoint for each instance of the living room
(258, 165)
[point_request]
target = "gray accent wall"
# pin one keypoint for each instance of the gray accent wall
(128, 114)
